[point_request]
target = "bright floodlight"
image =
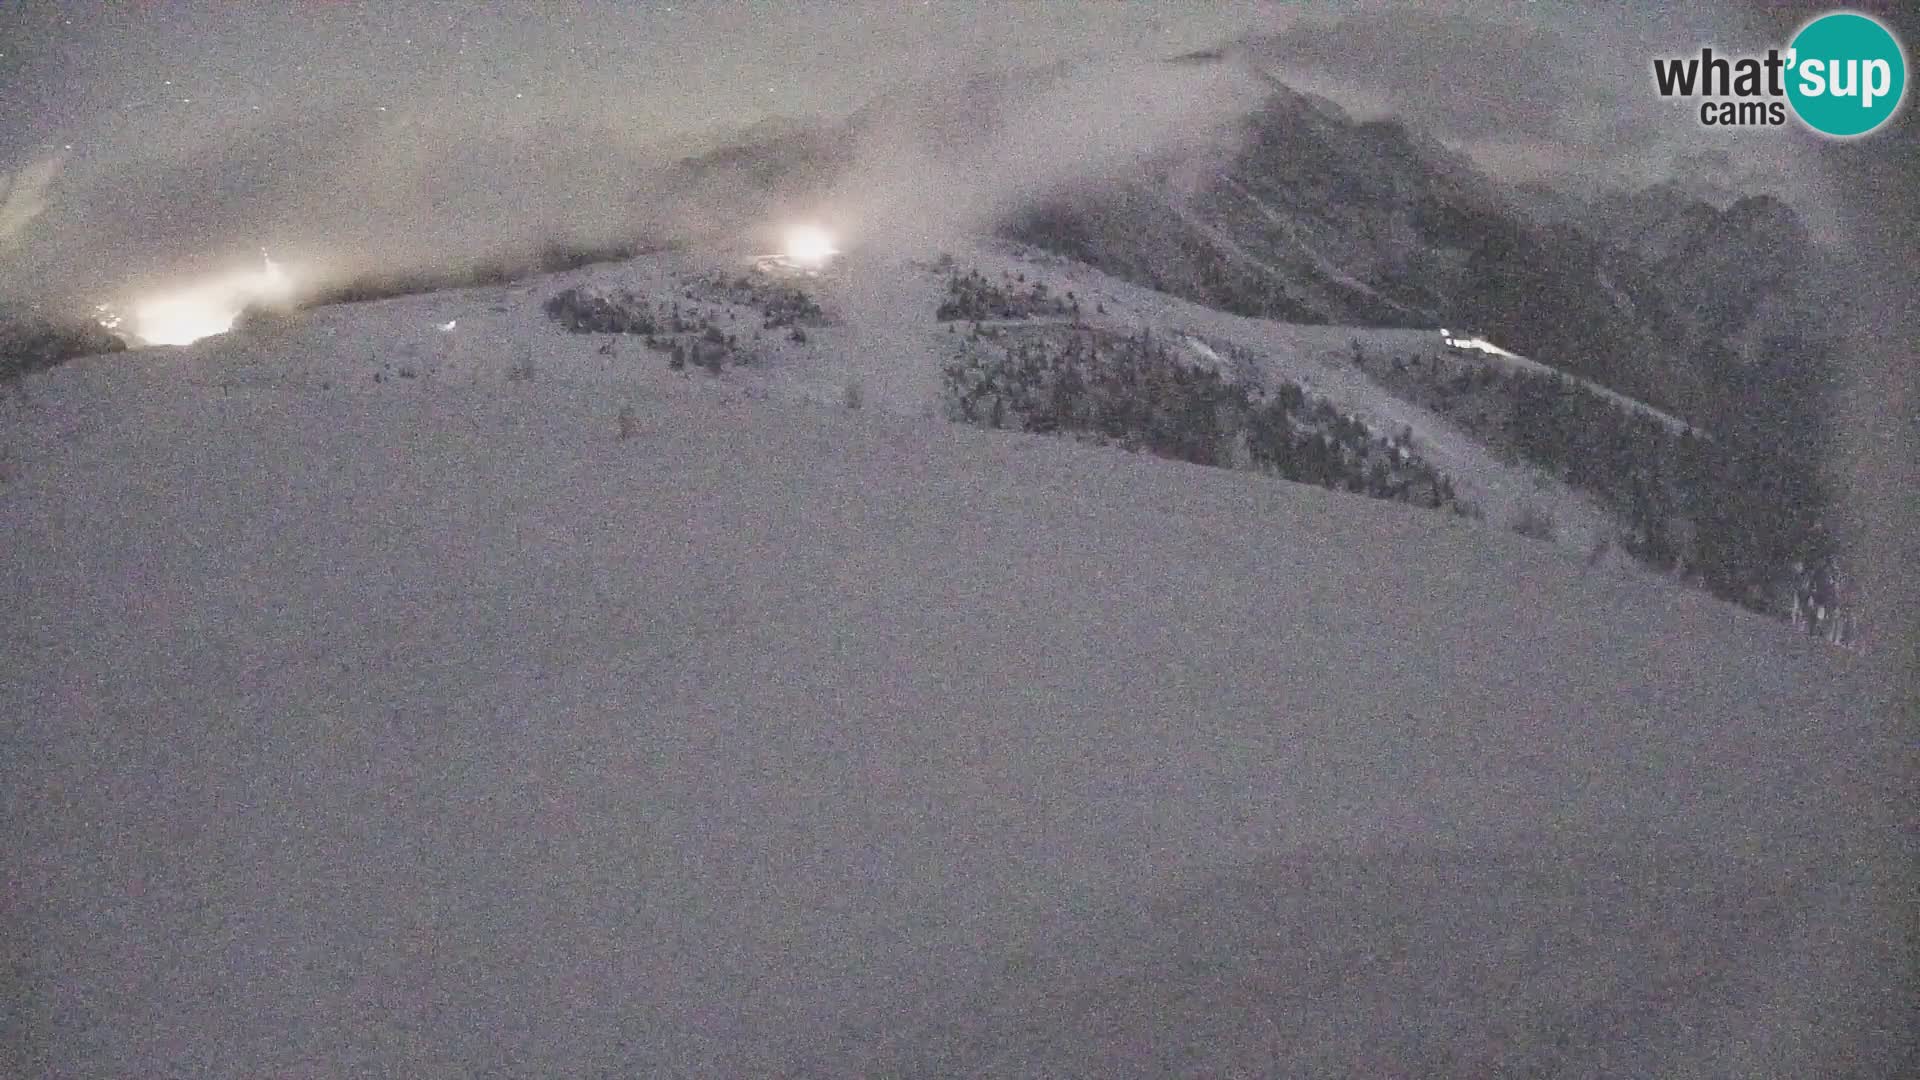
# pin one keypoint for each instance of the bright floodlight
(809, 245)
(185, 315)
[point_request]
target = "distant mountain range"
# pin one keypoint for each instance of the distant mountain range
(1313, 216)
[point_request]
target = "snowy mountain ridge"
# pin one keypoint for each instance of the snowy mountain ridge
(881, 338)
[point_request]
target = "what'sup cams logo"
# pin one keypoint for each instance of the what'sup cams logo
(1843, 75)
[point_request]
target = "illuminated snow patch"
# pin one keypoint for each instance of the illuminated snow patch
(184, 315)
(1478, 343)
(809, 245)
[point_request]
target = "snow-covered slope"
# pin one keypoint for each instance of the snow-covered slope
(883, 340)
(426, 726)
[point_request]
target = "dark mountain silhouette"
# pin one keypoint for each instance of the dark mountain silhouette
(1295, 210)
(1311, 215)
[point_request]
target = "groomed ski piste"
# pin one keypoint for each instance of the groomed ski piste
(427, 725)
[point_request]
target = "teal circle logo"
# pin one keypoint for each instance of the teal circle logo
(1846, 74)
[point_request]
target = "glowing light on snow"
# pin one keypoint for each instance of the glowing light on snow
(1479, 343)
(209, 306)
(809, 245)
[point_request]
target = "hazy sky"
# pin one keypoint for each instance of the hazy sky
(112, 67)
(223, 124)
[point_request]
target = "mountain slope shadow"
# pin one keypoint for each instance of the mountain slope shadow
(1630, 954)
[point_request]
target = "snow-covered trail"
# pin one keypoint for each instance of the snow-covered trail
(895, 348)
(442, 732)
(1316, 358)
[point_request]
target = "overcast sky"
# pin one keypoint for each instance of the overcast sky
(175, 119)
(107, 68)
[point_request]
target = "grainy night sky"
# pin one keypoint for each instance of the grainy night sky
(187, 127)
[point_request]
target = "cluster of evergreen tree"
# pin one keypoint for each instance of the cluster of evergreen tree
(790, 307)
(780, 305)
(1732, 511)
(973, 297)
(584, 311)
(1741, 512)
(1138, 392)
